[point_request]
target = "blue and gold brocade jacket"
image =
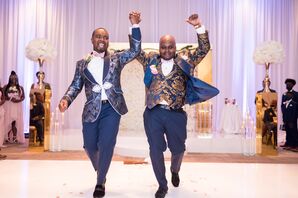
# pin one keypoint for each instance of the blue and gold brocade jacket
(180, 86)
(113, 65)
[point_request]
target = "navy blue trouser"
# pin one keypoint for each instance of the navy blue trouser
(100, 139)
(291, 134)
(160, 124)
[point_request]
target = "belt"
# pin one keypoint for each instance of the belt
(163, 106)
(104, 101)
(167, 107)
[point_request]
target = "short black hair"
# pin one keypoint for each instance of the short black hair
(39, 72)
(289, 80)
(99, 29)
(13, 73)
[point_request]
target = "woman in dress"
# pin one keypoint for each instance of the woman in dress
(14, 95)
(2, 100)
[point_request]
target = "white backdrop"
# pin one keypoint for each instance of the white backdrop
(236, 28)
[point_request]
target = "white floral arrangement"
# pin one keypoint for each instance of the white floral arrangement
(269, 52)
(40, 50)
(88, 57)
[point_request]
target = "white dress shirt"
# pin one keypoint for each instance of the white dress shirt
(95, 67)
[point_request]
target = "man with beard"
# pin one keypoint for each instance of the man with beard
(100, 74)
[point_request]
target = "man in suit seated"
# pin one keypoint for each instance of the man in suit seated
(270, 122)
(170, 84)
(37, 114)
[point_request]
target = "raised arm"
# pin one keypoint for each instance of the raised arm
(203, 41)
(135, 39)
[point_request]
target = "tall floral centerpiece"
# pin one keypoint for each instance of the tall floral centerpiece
(267, 53)
(40, 50)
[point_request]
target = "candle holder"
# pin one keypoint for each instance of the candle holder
(204, 118)
(248, 136)
(57, 131)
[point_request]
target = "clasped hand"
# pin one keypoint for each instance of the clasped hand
(135, 17)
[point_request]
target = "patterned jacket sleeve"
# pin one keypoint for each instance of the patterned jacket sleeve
(76, 85)
(134, 50)
(201, 51)
(143, 59)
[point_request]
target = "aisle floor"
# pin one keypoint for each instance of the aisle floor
(76, 179)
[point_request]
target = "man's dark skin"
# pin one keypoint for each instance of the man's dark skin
(289, 86)
(100, 40)
(167, 51)
(167, 47)
(167, 43)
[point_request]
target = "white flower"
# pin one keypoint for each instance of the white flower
(12, 89)
(40, 49)
(107, 85)
(153, 69)
(269, 52)
(96, 88)
(88, 58)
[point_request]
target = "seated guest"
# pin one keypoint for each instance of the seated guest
(37, 115)
(269, 120)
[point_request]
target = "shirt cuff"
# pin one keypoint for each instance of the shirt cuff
(201, 30)
(133, 26)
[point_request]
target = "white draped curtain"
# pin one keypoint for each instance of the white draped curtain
(235, 28)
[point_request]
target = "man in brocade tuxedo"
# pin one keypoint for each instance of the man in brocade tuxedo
(289, 110)
(169, 85)
(100, 74)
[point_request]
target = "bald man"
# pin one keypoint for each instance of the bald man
(100, 73)
(169, 85)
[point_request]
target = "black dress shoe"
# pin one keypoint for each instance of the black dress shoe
(99, 191)
(161, 192)
(175, 179)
